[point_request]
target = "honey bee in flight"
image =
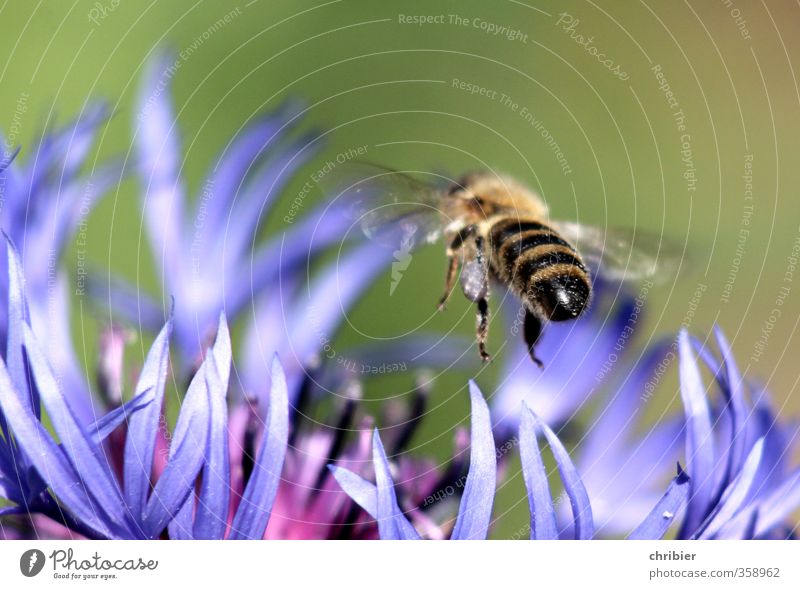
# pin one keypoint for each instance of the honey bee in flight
(498, 230)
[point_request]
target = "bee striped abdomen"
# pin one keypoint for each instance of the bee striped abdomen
(527, 243)
(541, 266)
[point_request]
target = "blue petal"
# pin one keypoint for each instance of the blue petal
(578, 498)
(73, 142)
(252, 516)
(573, 353)
(18, 317)
(157, 141)
(543, 515)
(9, 489)
(293, 250)
(779, 505)
(331, 294)
(141, 440)
(475, 511)
(769, 513)
(734, 496)
(113, 419)
(186, 454)
(52, 321)
(252, 204)
(242, 154)
(212, 509)
(49, 459)
(392, 524)
(182, 527)
(159, 153)
(360, 490)
(77, 199)
(126, 302)
(85, 455)
(223, 354)
(59, 157)
(738, 409)
(659, 520)
(608, 436)
(700, 454)
(263, 339)
(6, 161)
(778, 439)
(12, 179)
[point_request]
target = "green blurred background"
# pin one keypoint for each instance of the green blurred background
(376, 80)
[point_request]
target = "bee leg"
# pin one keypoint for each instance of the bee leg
(483, 328)
(532, 330)
(452, 268)
(452, 262)
(475, 284)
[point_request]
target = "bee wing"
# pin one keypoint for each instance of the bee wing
(391, 207)
(620, 254)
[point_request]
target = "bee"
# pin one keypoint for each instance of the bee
(497, 230)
